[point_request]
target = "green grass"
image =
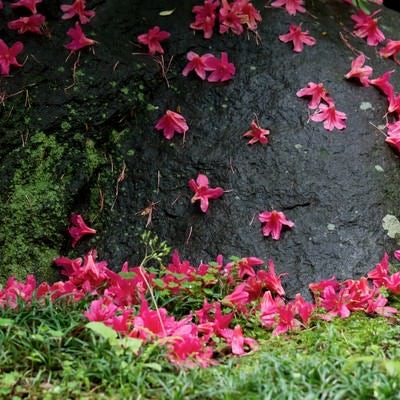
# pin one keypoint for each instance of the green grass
(47, 353)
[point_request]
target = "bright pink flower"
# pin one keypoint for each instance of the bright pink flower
(222, 69)
(397, 253)
(28, 24)
(392, 49)
(238, 298)
(378, 306)
(29, 4)
(70, 267)
(202, 192)
(78, 39)
(393, 139)
(171, 123)
(358, 71)
(317, 92)
(318, 287)
(394, 103)
(15, 290)
(8, 56)
(392, 283)
(248, 14)
(367, 27)
(271, 280)
(292, 6)
(331, 117)
(381, 271)
(274, 222)
(298, 37)
(394, 128)
(335, 303)
(101, 310)
(197, 63)
(79, 228)
(269, 309)
(205, 17)
(257, 134)
(229, 18)
(237, 341)
(77, 8)
(245, 266)
(383, 84)
(190, 351)
(286, 319)
(152, 39)
(303, 308)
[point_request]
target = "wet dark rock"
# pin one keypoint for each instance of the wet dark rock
(324, 181)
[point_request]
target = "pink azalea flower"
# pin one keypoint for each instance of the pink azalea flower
(202, 191)
(397, 255)
(381, 271)
(367, 27)
(330, 116)
(77, 8)
(318, 287)
(271, 280)
(78, 39)
(205, 17)
(101, 310)
(335, 303)
(79, 229)
(303, 308)
(298, 37)
(249, 15)
(238, 298)
(286, 319)
(153, 38)
(317, 92)
(245, 266)
(274, 222)
(269, 309)
(8, 56)
(32, 24)
(394, 128)
(292, 6)
(257, 134)
(190, 351)
(237, 341)
(197, 63)
(383, 84)
(392, 283)
(394, 103)
(222, 69)
(392, 49)
(393, 139)
(171, 123)
(229, 18)
(358, 71)
(378, 306)
(29, 4)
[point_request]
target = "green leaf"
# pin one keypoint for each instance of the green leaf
(155, 366)
(6, 322)
(127, 275)
(102, 330)
(392, 367)
(166, 13)
(132, 344)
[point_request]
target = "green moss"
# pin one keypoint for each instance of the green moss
(34, 212)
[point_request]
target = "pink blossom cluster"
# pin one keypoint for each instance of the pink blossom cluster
(234, 16)
(36, 24)
(121, 301)
(326, 111)
(382, 83)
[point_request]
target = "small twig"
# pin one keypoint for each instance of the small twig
(120, 179)
(189, 236)
(378, 129)
(252, 220)
(158, 181)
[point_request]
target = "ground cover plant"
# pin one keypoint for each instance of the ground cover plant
(166, 328)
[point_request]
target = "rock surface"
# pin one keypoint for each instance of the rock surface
(336, 186)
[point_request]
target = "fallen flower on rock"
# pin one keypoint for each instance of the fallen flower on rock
(197, 64)
(31, 24)
(392, 49)
(79, 40)
(331, 117)
(79, 229)
(359, 71)
(366, 27)
(298, 37)
(257, 134)
(152, 39)
(78, 8)
(317, 92)
(170, 123)
(205, 17)
(203, 193)
(29, 4)
(383, 84)
(292, 6)
(8, 56)
(274, 221)
(221, 69)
